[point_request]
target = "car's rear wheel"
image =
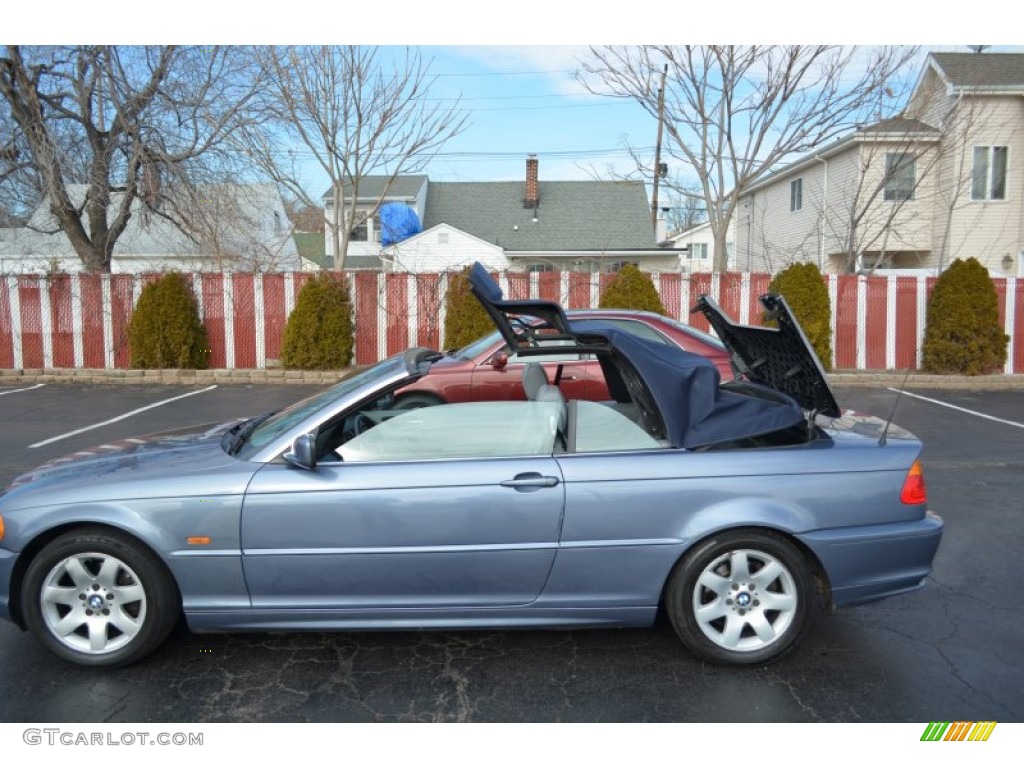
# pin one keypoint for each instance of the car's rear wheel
(740, 597)
(99, 598)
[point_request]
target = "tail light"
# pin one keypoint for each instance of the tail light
(913, 486)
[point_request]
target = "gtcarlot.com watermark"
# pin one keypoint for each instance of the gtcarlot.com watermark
(53, 737)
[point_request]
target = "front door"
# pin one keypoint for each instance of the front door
(403, 534)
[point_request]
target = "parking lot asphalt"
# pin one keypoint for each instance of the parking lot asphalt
(948, 652)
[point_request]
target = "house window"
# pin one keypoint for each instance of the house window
(698, 251)
(899, 176)
(367, 228)
(796, 194)
(442, 238)
(361, 231)
(988, 179)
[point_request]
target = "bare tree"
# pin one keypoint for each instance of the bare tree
(879, 213)
(736, 112)
(355, 116)
(118, 120)
(969, 122)
(238, 227)
(910, 205)
(19, 183)
(685, 203)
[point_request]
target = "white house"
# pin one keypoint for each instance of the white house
(696, 247)
(943, 180)
(215, 227)
(520, 225)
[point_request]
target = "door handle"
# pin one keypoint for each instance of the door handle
(530, 480)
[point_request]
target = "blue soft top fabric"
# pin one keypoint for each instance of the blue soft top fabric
(685, 389)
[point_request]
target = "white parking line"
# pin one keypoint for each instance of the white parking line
(119, 418)
(958, 408)
(23, 389)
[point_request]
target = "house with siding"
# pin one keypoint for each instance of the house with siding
(696, 247)
(942, 180)
(214, 227)
(529, 225)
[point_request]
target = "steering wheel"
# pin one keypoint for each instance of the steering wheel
(361, 423)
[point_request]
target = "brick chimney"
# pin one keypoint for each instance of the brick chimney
(532, 198)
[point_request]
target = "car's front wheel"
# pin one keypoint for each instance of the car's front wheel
(99, 598)
(740, 597)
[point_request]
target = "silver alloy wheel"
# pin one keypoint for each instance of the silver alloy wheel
(93, 603)
(745, 600)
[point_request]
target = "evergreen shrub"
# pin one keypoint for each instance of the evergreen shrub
(804, 289)
(465, 319)
(319, 334)
(165, 330)
(631, 289)
(963, 334)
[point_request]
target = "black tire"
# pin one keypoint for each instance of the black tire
(417, 400)
(98, 598)
(728, 616)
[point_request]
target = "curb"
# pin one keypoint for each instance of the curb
(277, 376)
(167, 376)
(901, 380)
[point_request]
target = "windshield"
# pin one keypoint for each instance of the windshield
(478, 347)
(707, 338)
(284, 420)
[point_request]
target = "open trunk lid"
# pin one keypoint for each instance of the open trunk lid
(781, 358)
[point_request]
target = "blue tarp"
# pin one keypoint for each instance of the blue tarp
(398, 222)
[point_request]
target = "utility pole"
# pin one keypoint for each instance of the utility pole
(657, 147)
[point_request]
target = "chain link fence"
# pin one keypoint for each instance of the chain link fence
(81, 321)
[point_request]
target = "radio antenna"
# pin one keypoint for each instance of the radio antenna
(892, 413)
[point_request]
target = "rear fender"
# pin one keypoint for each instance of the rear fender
(747, 512)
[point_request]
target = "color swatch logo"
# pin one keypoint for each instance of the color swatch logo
(959, 731)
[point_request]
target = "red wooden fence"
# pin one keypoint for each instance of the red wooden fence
(81, 321)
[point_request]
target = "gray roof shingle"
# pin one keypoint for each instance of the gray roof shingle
(371, 187)
(572, 215)
(900, 125)
(978, 70)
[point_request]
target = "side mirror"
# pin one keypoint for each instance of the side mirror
(303, 452)
(499, 361)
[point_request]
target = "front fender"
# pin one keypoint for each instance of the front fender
(208, 575)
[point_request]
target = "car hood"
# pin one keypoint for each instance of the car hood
(780, 358)
(164, 454)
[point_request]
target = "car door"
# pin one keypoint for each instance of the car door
(504, 381)
(427, 514)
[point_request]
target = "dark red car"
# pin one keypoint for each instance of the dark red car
(486, 370)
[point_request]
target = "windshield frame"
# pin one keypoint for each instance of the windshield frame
(475, 349)
(275, 435)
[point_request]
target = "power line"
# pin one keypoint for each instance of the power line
(568, 72)
(546, 108)
(553, 154)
